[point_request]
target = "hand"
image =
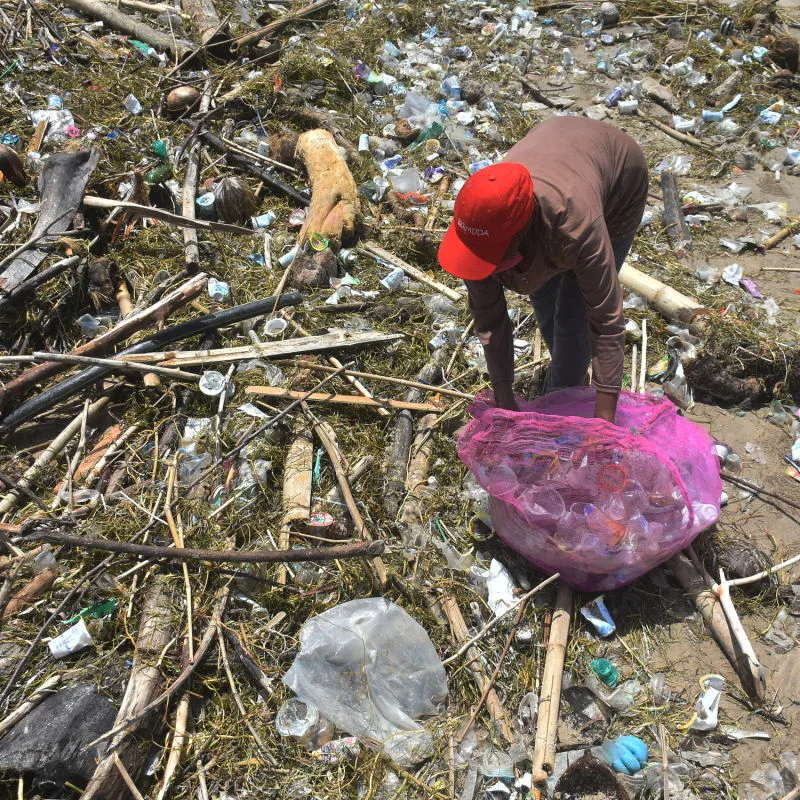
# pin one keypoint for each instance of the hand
(504, 397)
(627, 754)
(605, 406)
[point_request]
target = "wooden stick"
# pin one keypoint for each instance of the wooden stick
(781, 269)
(166, 216)
(372, 376)
(297, 485)
(191, 251)
(308, 344)
(126, 776)
(116, 364)
(316, 554)
(119, 21)
(40, 584)
(327, 436)
(460, 631)
(341, 399)
(673, 218)
(634, 373)
(375, 250)
(681, 137)
(696, 585)
(156, 313)
(51, 451)
(444, 185)
(544, 752)
(241, 42)
(671, 303)
(767, 573)
(643, 368)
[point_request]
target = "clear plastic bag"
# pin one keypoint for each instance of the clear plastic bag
(601, 504)
(372, 670)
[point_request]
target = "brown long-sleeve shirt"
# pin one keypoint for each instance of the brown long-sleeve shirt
(590, 188)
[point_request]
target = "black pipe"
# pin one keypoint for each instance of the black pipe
(75, 383)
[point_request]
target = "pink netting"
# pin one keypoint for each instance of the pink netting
(602, 504)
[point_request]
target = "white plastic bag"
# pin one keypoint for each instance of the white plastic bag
(372, 670)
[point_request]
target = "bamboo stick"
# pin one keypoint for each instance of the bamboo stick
(544, 752)
(634, 373)
(375, 250)
(297, 482)
(372, 376)
(341, 399)
(670, 302)
(115, 364)
(327, 436)
(53, 449)
(643, 367)
(240, 42)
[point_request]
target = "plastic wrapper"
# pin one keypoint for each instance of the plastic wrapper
(372, 670)
(601, 504)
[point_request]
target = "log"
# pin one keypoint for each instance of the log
(102, 344)
(670, 302)
(157, 627)
(62, 182)
(375, 250)
(309, 344)
(544, 752)
(396, 458)
(673, 219)
(211, 31)
(333, 212)
(341, 399)
(461, 634)
(247, 39)
(751, 674)
(119, 21)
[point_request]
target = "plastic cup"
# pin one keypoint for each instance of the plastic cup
(275, 327)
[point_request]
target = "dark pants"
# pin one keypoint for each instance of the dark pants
(561, 314)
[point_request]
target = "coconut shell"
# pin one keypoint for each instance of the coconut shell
(234, 201)
(11, 166)
(181, 99)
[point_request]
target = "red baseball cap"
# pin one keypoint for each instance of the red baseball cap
(492, 207)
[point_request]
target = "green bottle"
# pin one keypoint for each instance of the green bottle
(159, 147)
(606, 671)
(159, 174)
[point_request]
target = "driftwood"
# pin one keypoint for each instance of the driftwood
(411, 524)
(191, 251)
(319, 554)
(87, 377)
(673, 219)
(396, 458)
(458, 626)
(309, 344)
(102, 344)
(333, 212)
(297, 483)
(699, 587)
(62, 182)
(247, 39)
(156, 629)
(119, 21)
(341, 399)
(670, 302)
(376, 251)
(206, 22)
(544, 752)
(309, 118)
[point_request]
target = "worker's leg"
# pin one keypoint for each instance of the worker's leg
(561, 313)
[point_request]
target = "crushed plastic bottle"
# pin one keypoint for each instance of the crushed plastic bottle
(133, 105)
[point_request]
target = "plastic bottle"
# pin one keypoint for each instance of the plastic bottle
(133, 105)
(606, 671)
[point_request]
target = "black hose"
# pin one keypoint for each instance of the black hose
(74, 384)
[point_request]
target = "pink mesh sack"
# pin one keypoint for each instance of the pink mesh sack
(601, 504)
